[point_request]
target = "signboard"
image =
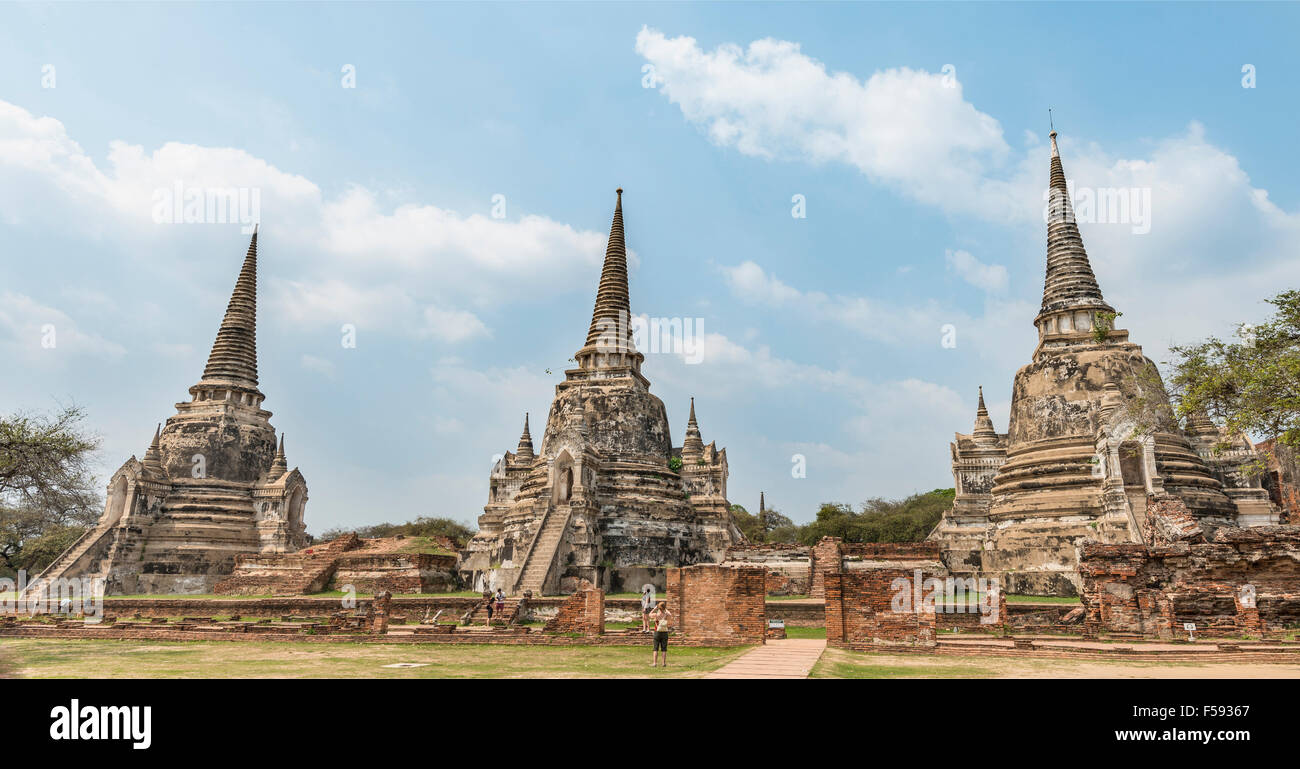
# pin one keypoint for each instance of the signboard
(776, 623)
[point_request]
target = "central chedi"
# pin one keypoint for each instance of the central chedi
(607, 499)
(1092, 436)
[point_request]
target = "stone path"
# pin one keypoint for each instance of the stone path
(784, 658)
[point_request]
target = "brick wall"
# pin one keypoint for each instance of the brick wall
(721, 603)
(861, 611)
(582, 613)
(827, 558)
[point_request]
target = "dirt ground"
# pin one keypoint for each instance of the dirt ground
(836, 663)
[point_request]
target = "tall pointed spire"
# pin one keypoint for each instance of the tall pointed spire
(613, 310)
(609, 350)
(984, 431)
(233, 360)
(1070, 284)
(279, 465)
(525, 450)
(693, 444)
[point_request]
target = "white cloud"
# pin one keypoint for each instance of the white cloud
(452, 325)
(38, 334)
(317, 364)
(986, 277)
(903, 127)
(352, 257)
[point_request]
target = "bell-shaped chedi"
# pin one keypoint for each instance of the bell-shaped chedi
(606, 498)
(1091, 435)
(213, 484)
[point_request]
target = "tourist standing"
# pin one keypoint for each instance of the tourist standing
(501, 603)
(661, 617)
(487, 598)
(647, 606)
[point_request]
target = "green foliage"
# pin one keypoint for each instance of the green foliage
(675, 464)
(774, 528)
(879, 520)
(1250, 383)
(424, 526)
(1102, 324)
(48, 496)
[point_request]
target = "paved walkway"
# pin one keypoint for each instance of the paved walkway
(784, 658)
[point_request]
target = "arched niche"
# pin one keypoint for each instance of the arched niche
(562, 479)
(294, 510)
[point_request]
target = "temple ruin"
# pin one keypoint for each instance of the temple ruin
(1092, 436)
(608, 498)
(213, 484)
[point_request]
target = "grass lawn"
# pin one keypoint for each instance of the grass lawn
(805, 632)
(423, 545)
(67, 658)
(837, 663)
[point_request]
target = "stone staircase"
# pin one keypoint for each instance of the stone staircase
(69, 557)
(542, 553)
(508, 616)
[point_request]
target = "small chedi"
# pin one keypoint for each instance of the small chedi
(1092, 436)
(608, 498)
(213, 484)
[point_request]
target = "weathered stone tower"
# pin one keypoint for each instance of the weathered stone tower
(1091, 435)
(213, 483)
(601, 500)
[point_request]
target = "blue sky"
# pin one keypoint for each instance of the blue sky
(915, 133)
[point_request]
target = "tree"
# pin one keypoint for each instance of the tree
(879, 520)
(424, 526)
(775, 527)
(1251, 383)
(48, 496)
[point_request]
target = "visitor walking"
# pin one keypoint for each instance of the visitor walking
(501, 603)
(487, 599)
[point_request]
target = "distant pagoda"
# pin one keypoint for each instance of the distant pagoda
(214, 481)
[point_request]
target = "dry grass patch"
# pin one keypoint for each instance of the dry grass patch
(71, 658)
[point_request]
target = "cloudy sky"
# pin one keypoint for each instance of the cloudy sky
(440, 178)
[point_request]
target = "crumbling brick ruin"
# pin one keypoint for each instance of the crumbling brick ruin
(1091, 435)
(1244, 581)
(726, 605)
(212, 485)
(832, 555)
(601, 500)
(1282, 479)
(801, 570)
(363, 565)
(582, 613)
(788, 567)
(863, 611)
